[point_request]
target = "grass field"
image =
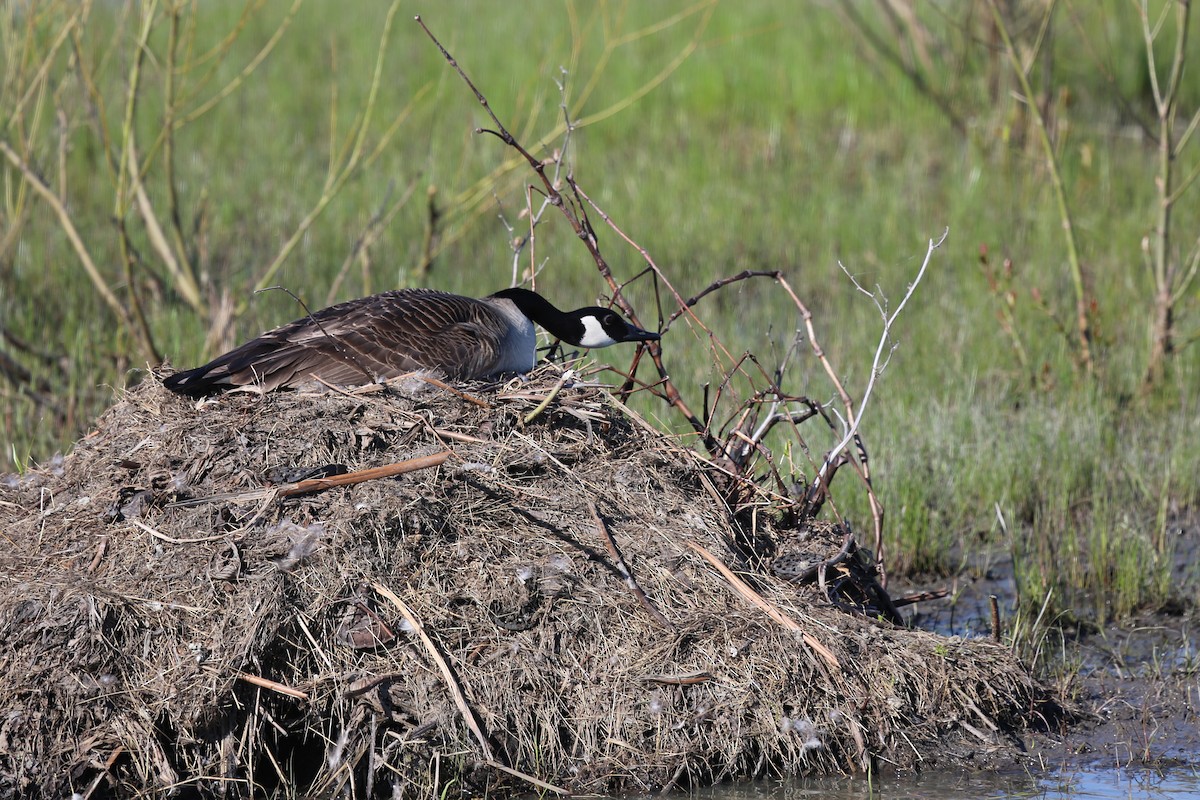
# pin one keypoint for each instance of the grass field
(721, 138)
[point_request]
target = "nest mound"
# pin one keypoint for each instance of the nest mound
(547, 606)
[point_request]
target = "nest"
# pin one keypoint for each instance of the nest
(564, 602)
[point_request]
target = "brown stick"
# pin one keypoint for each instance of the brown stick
(359, 476)
(516, 773)
(654, 613)
(112, 759)
(685, 308)
(460, 700)
(312, 485)
(274, 686)
(747, 592)
(920, 597)
(686, 679)
(447, 387)
(588, 236)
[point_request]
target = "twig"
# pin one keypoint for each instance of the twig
(101, 547)
(542, 406)
(919, 597)
(314, 484)
(177, 262)
(418, 375)
(274, 686)
(577, 218)
(885, 336)
(430, 237)
(460, 700)
(371, 681)
(72, 234)
(183, 259)
(369, 235)
(822, 482)
(338, 180)
(670, 785)
(241, 77)
(127, 172)
(339, 346)
(1082, 320)
(519, 243)
(550, 787)
(105, 773)
(623, 568)
(855, 418)
(456, 436)
(970, 704)
(685, 307)
(686, 679)
(756, 599)
(674, 398)
(359, 476)
(172, 539)
(432, 381)
(971, 729)
(38, 389)
(879, 44)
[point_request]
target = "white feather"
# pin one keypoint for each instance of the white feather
(594, 334)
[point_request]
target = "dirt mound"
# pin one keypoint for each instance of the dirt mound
(549, 604)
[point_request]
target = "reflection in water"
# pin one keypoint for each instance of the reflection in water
(1179, 784)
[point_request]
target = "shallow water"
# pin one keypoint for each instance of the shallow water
(1093, 784)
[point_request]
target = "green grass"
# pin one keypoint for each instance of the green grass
(775, 145)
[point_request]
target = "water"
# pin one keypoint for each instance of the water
(1090, 784)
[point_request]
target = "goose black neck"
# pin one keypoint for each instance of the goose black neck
(560, 324)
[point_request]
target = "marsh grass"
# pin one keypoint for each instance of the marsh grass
(775, 144)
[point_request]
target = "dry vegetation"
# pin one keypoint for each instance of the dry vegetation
(551, 602)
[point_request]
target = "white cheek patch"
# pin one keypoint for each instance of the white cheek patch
(594, 334)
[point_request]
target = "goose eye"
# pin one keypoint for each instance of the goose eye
(610, 319)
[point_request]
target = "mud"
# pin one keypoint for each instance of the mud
(1136, 683)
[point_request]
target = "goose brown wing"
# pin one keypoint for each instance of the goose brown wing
(426, 329)
(353, 343)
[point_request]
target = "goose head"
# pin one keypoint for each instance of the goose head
(601, 327)
(591, 326)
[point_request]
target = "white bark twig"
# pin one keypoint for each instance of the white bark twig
(559, 157)
(876, 367)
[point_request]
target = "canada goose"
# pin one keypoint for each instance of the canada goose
(379, 337)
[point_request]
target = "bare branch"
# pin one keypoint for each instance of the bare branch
(876, 368)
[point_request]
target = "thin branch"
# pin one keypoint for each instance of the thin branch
(468, 714)
(577, 218)
(64, 219)
(349, 166)
(338, 344)
(747, 592)
(1082, 320)
(627, 573)
(250, 67)
(876, 369)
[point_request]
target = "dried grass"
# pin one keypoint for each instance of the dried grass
(464, 627)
